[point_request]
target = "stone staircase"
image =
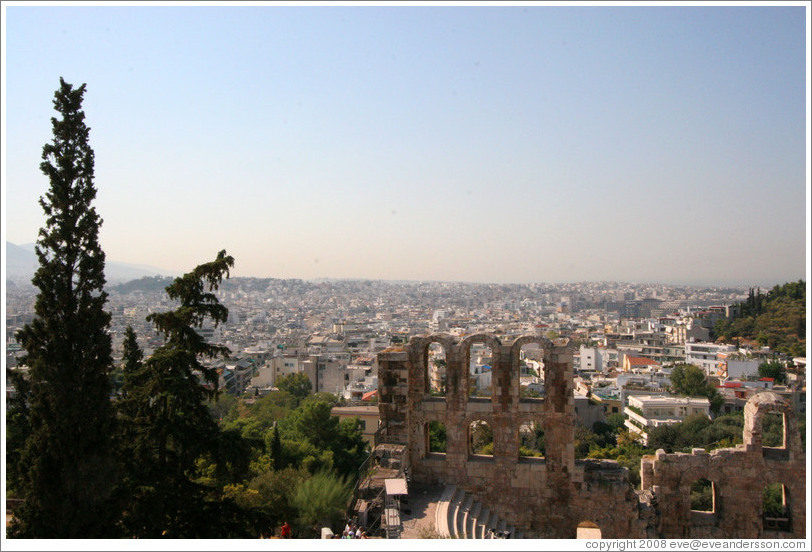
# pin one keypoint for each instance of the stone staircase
(460, 516)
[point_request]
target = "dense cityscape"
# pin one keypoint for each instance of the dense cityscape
(332, 330)
(350, 320)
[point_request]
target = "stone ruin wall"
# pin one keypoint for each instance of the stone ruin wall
(738, 475)
(550, 497)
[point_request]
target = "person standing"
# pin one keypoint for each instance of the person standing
(286, 530)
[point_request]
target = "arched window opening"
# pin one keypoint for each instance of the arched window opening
(480, 369)
(703, 496)
(436, 437)
(531, 371)
(531, 440)
(437, 370)
(775, 508)
(772, 430)
(588, 530)
(480, 439)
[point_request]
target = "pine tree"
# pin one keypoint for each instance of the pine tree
(169, 426)
(182, 418)
(70, 474)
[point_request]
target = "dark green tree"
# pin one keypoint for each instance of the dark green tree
(616, 421)
(772, 502)
(276, 449)
(481, 438)
(180, 419)
(721, 329)
(602, 435)
(130, 362)
(697, 431)
(172, 425)
(71, 475)
(296, 384)
(437, 436)
(17, 429)
(702, 495)
(132, 358)
(349, 447)
(773, 370)
(272, 493)
(127, 404)
(313, 422)
(688, 380)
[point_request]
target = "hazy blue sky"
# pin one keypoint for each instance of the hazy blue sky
(496, 144)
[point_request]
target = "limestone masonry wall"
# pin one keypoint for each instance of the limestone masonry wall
(549, 497)
(739, 476)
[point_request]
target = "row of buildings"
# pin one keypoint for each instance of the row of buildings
(332, 331)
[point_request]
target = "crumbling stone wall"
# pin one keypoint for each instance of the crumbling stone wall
(549, 497)
(545, 497)
(739, 476)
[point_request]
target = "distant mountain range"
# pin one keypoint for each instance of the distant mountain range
(22, 262)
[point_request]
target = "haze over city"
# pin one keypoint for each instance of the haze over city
(462, 143)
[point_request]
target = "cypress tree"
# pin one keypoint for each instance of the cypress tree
(131, 360)
(17, 430)
(276, 448)
(128, 408)
(69, 472)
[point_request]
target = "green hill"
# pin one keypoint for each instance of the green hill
(776, 319)
(147, 284)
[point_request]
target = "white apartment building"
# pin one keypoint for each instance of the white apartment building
(591, 359)
(737, 368)
(706, 356)
(328, 373)
(610, 358)
(259, 353)
(356, 390)
(649, 411)
(439, 321)
(481, 367)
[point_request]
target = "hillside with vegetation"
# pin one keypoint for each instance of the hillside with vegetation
(776, 319)
(145, 284)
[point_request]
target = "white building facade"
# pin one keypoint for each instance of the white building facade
(706, 356)
(645, 412)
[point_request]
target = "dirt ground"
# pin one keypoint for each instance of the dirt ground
(422, 506)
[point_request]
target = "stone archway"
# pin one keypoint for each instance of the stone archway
(588, 530)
